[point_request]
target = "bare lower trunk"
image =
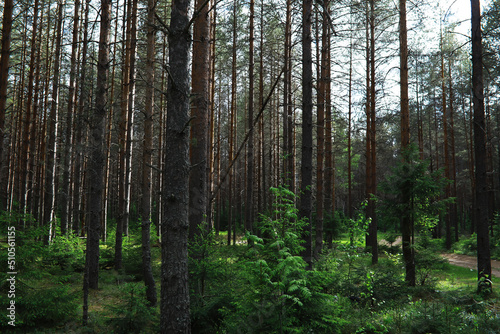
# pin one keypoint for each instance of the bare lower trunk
(481, 196)
(174, 288)
(96, 158)
(307, 138)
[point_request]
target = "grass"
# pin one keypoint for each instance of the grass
(449, 280)
(456, 277)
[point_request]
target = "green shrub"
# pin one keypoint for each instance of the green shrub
(133, 315)
(67, 252)
(42, 307)
(467, 246)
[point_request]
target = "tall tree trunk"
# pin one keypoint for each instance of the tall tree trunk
(288, 173)
(211, 102)
(122, 136)
(446, 146)
(96, 159)
(68, 147)
(349, 131)
(320, 137)
(131, 115)
(109, 133)
(453, 165)
(406, 220)
(232, 120)
(307, 137)
(198, 177)
(174, 288)
(371, 152)
(4, 75)
(481, 195)
(147, 155)
(368, 118)
(128, 103)
(50, 189)
(78, 125)
(250, 148)
(25, 155)
(420, 123)
(329, 160)
(262, 161)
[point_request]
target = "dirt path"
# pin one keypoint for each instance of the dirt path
(464, 261)
(470, 262)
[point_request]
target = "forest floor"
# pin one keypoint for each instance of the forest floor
(461, 260)
(470, 262)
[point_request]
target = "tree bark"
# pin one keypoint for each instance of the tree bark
(64, 196)
(96, 159)
(307, 137)
(329, 159)
(320, 136)
(200, 124)
(147, 157)
(250, 148)
(232, 120)
(288, 161)
(50, 189)
(481, 195)
(174, 288)
(25, 155)
(4, 76)
(446, 147)
(406, 220)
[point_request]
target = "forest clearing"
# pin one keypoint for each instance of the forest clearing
(250, 166)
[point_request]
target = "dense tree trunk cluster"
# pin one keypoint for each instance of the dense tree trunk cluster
(184, 115)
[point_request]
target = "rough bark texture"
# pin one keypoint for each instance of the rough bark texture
(288, 152)
(96, 159)
(446, 147)
(320, 133)
(147, 157)
(174, 271)
(25, 156)
(198, 154)
(232, 124)
(250, 154)
(127, 114)
(406, 220)
(307, 132)
(481, 195)
(50, 189)
(371, 148)
(4, 74)
(64, 196)
(329, 158)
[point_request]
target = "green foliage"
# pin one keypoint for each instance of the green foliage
(67, 252)
(132, 260)
(411, 190)
(358, 228)
(133, 315)
(208, 280)
(466, 245)
(426, 260)
(281, 295)
(41, 306)
(439, 317)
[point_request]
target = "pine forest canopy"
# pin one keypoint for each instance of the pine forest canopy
(191, 111)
